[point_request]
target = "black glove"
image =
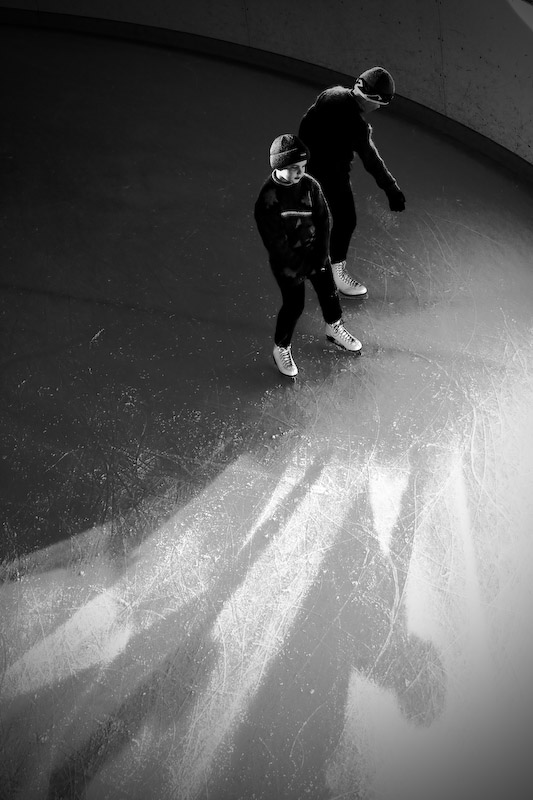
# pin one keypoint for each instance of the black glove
(396, 198)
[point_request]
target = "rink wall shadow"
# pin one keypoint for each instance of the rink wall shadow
(129, 367)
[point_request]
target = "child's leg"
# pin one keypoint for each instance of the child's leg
(293, 295)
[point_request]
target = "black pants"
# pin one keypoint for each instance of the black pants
(337, 190)
(293, 295)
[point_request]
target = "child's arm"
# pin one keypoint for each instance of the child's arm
(322, 221)
(268, 219)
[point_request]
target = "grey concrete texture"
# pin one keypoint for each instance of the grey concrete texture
(217, 583)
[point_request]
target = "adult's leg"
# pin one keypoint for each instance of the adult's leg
(328, 296)
(324, 284)
(293, 301)
(338, 193)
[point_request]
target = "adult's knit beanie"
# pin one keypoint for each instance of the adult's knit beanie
(377, 80)
(287, 149)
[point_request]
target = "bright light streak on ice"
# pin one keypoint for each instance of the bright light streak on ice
(443, 599)
(172, 564)
(290, 478)
(381, 753)
(254, 622)
(386, 488)
(475, 625)
(93, 635)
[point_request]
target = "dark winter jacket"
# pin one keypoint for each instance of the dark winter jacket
(294, 224)
(333, 129)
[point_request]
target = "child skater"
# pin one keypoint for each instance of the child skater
(333, 129)
(293, 220)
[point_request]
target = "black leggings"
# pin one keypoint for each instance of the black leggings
(337, 190)
(293, 295)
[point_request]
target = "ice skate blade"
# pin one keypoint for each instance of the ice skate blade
(352, 296)
(342, 347)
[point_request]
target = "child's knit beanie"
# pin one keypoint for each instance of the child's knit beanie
(287, 149)
(377, 81)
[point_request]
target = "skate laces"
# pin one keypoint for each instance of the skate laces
(342, 333)
(285, 356)
(341, 270)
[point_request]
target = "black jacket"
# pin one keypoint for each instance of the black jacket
(294, 224)
(333, 129)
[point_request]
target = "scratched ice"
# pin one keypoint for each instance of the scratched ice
(471, 517)
(171, 566)
(141, 674)
(254, 622)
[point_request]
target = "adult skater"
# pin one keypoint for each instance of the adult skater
(293, 220)
(333, 129)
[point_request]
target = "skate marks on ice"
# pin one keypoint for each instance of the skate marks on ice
(386, 488)
(166, 590)
(351, 569)
(468, 593)
(168, 656)
(287, 752)
(254, 623)
(453, 252)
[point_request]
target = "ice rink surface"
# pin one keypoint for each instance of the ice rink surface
(218, 583)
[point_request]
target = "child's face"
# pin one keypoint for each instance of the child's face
(293, 173)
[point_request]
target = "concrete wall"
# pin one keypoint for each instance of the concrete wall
(469, 60)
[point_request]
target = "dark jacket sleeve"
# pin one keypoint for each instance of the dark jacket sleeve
(322, 221)
(269, 224)
(367, 151)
